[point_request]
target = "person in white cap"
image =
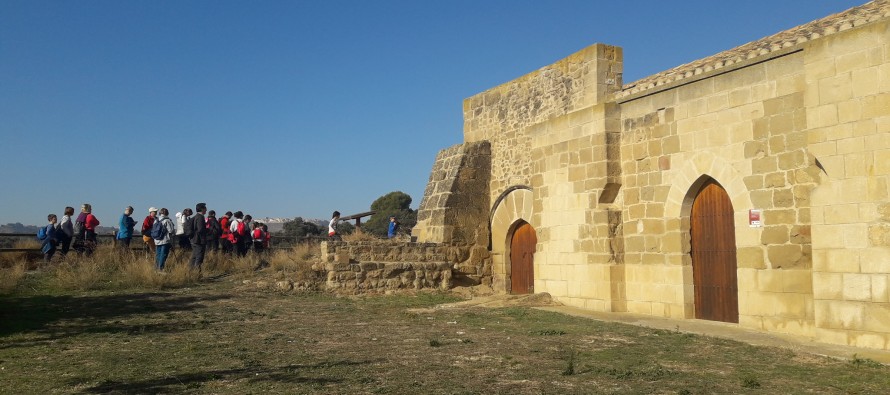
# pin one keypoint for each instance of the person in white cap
(146, 230)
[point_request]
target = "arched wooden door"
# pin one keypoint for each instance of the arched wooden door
(522, 259)
(712, 232)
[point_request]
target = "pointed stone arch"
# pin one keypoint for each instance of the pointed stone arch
(512, 207)
(695, 172)
(686, 182)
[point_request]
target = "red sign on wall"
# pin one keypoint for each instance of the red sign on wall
(754, 216)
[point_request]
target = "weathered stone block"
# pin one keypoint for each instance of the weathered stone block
(762, 199)
(750, 257)
(783, 198)
(879, 234)
(784, 255)
(857, 287)
(774, 235)
(774, 180)
(767, 164)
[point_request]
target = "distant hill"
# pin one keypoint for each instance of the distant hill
(20, 228)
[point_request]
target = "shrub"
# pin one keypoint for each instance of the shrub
(359, 235)
(107, 268)
(11, 259)
(10, 277)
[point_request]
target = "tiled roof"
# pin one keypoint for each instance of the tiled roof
(856, 16)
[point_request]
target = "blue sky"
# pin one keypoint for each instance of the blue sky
(287, 108)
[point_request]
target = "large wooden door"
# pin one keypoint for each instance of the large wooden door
(522, 259)
(714, 255)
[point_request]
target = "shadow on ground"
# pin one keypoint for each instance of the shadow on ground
(60, 316)
(293, 374)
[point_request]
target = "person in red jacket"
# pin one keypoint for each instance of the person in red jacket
(258, 237)
(225, 240)
(214, 231)
(146, 230)
(87, 232)
(267, 242)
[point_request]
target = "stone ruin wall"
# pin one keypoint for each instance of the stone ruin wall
(454, 210)
(501, 115)
(456, 197)
(382, 265)
(451, 233)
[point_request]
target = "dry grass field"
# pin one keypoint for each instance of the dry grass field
(107, 325)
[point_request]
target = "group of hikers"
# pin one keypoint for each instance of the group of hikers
(199, 231)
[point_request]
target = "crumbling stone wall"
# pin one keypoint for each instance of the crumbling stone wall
(384, 265)
(456, 197)
(455, 208)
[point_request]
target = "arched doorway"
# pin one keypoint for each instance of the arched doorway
(522, 259)
(712, 235)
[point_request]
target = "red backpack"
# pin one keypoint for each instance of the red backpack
(239, 232)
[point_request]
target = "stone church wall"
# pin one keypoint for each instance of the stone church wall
(796, 125)
(848, 113)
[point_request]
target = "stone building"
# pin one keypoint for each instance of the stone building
(751, 186)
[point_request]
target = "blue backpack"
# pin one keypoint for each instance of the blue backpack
(158, 231)
(41, 234)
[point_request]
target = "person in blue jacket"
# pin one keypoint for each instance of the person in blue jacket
(125, 229)
(48, 238)
(393, 227)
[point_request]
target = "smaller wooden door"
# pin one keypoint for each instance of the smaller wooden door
(522, 259)
(712, 231)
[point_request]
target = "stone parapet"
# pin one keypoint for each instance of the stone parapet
(580, 80)
(384, 251)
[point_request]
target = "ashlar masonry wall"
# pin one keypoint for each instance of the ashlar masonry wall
(848, 113)
(745, 128)
(796, 125)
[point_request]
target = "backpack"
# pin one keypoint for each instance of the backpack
(242, 229)
(158, 231)
(41, 234)
(214, 229)
(188, 227)
(79, 229)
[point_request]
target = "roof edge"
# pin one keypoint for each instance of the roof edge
(775, 45)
